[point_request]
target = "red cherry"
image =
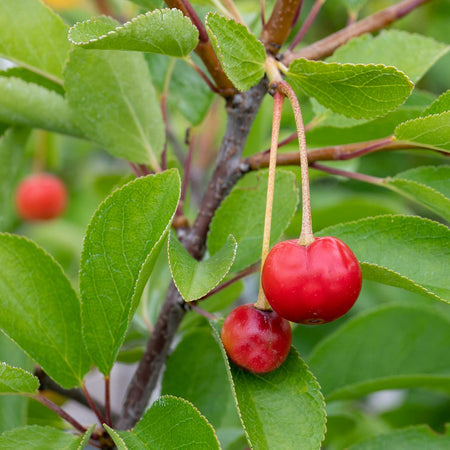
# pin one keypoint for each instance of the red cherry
(256, 340)
(41, 197)
(311, 284)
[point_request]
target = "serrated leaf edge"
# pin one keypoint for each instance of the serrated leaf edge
(19, 369)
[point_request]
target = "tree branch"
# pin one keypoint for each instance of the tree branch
(277, 29)
(241, 111)
(328, 45)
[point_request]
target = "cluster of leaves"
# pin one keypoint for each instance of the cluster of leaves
(98, 85)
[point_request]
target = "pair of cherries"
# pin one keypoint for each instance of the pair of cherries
(309, 284)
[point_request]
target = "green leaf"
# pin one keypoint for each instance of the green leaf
(241, 214)
(431, 131)
(395, 346)
(33, 36)
(393, 48)
(39, 438)
(353, 6)
(115, 102)
(440, 105)
(242, 56)
(16, 381)
(171, 423)
(121, 245)
(166, 31)
(386, 246)
(186, 377)
(354, 90)
(288, 398)
(23, 103)
(34, 78)
(12, 150)
(428, 186)
(193, 278)
(418, 437)
(52, 339)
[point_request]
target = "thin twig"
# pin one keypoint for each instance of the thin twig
(263, 12)
(202, 312)
(348, 174)
(328, 45)
(202, 74)
(297, 14)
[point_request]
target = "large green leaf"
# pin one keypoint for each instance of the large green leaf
(429, 186)
(115, 102)
(288, 398)
(23, 103)
(33, 36)
(12, 150)
(395, 346)
(14, 380)
(41, 313)
(121, 245)
(440, 105)
(241, 214)
(404, 251)
(171, 422)
(35, 437)
(241, 54)
(165, 31)
(354, 90)
(193, 278)
(393, 48)
(431, 131)
(418, 437)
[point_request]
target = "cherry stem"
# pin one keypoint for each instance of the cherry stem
(108, 401)
(278, 100)
(202, 34)
(61, 413)
(307, 24)
(347, 174)
(202, 312)
(202, 74)
(93, 405)
(306, 235)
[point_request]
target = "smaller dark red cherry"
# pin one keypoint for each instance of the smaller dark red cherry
(313, 283)
(256, 340)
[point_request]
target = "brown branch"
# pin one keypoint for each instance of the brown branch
(328, 45)
(205, 50)
(278, 27)
(241, 111)
(332, 153)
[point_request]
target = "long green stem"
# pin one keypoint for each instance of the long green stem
(278, 100)
(306, 235)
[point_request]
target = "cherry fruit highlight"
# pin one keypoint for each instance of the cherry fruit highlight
(256, 340)
(311, 284)
(41, 197)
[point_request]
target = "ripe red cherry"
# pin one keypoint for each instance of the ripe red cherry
(311, 284)
(41, 197)
(256, 340)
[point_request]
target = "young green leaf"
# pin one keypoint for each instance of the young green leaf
(393, 48)
(242, 56)
(440, 105)
(122, 242)
(431, 131)
(193, 278)
(373, 345)
(16, 381)
(417, 437)
(354, 90)
(33, 36)
(12, 150)
(241, 214)
(171, 422)
(52, 339)
(386, 246)
(428, 186)
(35, 437)
(165, 31)
(115, 102)
(23, 103)
(288, 398)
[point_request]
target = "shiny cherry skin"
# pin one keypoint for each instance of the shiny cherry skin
(311, 284)
(256, 340)
(41, 197)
